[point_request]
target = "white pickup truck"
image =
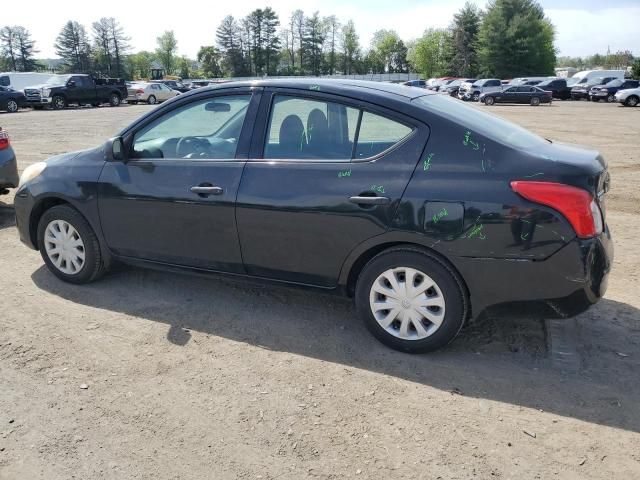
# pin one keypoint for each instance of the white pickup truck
(472, 91)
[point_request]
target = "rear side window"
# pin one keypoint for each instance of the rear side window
(310, 129)
(5, 81)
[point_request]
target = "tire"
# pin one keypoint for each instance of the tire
(92, 265)
(95, 104)
(447, 290)
(476, 96)
(12, 106)
(151, 100)
(611, 98)
(535, 101)
(114, 100)
(58, 102)
(489, 101)
(631, 101)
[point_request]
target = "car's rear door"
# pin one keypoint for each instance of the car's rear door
(308, 196)
(174, 200)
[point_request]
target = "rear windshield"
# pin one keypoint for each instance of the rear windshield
(486, 124)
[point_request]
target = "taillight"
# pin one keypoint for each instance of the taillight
(139, 91)
(4, 140)
(577, 205)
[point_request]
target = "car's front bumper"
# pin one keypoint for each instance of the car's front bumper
(8, 169)
(579, 95)
(571, 280)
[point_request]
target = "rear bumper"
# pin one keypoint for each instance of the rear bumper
(571, 280)
(8, 169)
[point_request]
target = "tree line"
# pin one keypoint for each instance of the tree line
(509, 38)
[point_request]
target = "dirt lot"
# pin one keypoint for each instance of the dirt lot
(192, 378)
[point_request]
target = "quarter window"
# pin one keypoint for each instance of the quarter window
(207, 129)
(378, 134)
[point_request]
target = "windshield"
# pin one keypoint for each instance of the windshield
(57, 80)
(479, 122)
(454, 83)
(615, 83)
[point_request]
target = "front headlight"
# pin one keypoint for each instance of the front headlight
(45, 92)
(31, 172)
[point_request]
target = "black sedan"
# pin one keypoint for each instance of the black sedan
(581, 90)
(425, 210)
(608, 91)
(8, 164)
(11, 100)
(519, 94)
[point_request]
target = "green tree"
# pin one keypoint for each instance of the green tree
(210, 59)
(229, 41)
(390, 50)
(140, 64)
(635, 69)
(464, 38)
(431, 53)
(516, 39)
(333, 28)
(312, 44)
(73, 47)
(166, 51)
(119, 44)
(102, 60)
(298, 25)
(8, 47)
(350, 47)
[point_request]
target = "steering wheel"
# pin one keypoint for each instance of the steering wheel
(188, 147)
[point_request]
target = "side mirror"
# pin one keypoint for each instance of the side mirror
(114, 150)
(71, 83)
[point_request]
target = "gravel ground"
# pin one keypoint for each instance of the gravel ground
(149, 375)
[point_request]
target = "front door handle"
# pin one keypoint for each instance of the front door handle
(366, 200)
(204, 190)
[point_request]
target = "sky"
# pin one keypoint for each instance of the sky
(583, 27)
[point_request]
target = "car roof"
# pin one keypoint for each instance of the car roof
(337, 86)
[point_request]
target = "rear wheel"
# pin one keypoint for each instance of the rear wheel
(69, 246)
(151, 100)
(59, 102)
(12, 106)
(114, 100)
(632, 101)
(410, 300)
(489, 101)
(535, 101)
(476, 96)
(611, 98)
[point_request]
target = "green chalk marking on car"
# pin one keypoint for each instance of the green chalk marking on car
(467, 141)
(427, 162)
(477, 231)
(377, 188)
(315, 87)
(524, 236)
(534, 175)
(344, 173)
(440, 215)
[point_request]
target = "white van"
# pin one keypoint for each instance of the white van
(21, 80)
(586, 75)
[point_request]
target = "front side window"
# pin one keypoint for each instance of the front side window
(206, 129)
(5, 80)
(317, 130)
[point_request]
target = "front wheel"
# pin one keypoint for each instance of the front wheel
(535, 101)
(489, 101)
(59, 102)
(611, 98)
(151, 100)
(476, 96)
(69, 246)
(410, 300)
(632, 101)
(12, 106)
(114, 100)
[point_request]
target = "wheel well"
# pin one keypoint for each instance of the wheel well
(359, 264)
(36, 215)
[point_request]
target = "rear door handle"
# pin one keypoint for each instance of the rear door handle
(207, 190)
(364, 200)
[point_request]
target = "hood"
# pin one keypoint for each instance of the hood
(66, 158)
(43, 85)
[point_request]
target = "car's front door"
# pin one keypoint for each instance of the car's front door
(173, 201)
(324, 175)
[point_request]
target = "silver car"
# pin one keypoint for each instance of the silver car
(150, 93)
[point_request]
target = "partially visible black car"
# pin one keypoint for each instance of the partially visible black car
(173, 85)
(518, 94)
(558, 88)
(429, 214)
(79, 89)
(453, 87)
(11, 100)
(8, 164)
(581, 90)
(416, 83)
(608, 91)
(199, 84)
